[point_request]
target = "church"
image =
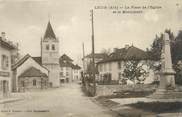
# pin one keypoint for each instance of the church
(46, 70)
(41, 72)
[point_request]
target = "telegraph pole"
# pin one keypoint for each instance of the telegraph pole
(93, 53)
(83, 57)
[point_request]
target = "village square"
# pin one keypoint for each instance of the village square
(89, 67)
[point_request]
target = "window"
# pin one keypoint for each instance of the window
(119, 65)
(67, 68)
(61, 74)
(23, 83)
(34, 82)
(101, 67)
(47, 47)
(53, 47)
(110, 66)
(119, 76)
(5, 62)
(105, 67)
(67, 74)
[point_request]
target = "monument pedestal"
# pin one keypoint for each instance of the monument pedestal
(167, 88)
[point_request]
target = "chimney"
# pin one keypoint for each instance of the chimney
(3, 35)
(127, 46)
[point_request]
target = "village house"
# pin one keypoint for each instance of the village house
(87, 60)
(68, 71)
(8, 54)
(111, 68)
(66, 74)
(76, 73)
(29, 74)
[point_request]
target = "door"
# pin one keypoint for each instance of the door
(5, 88)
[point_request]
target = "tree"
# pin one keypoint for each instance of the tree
(134, 71)
(177, 48)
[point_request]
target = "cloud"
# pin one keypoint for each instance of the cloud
(151, 15)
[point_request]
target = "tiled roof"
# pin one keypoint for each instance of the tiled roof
(64, 63)
(49, 33)
(136, 53)
(33, 72)
(7, 44)
(129, 53)
(20, 62)
(76, 67)
(97, 55)
(38, 60)
(65, 57)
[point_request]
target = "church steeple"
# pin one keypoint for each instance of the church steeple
(49, 33)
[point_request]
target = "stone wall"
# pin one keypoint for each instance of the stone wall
(41, 83)
(103, 90)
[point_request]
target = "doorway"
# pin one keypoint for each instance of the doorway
(5, 88)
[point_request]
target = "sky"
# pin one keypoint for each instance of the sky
(25, 21)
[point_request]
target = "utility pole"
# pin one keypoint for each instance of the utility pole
(83, 57)
(93, 54)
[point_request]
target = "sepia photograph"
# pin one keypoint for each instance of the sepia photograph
(90, 58)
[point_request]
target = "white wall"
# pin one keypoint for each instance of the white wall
(6, 52)
(76, 73)
(115, 70)
(70, 73)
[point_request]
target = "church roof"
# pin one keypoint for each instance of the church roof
(38, 60)
(49, 33)
(20, 62)
(33, 72)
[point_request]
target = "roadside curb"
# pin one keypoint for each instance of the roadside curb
(10, 100)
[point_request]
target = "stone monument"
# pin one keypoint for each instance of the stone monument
(167, 88)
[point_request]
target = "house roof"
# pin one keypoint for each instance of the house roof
(135, 53)
(129, 53)
(65, 57)
(20, 62)
(64, 63)
(38, 60)
(76, 67)
(97, 55)
(7, 44)
(49, 33)
(33, 72)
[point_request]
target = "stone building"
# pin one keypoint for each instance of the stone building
(31, 79)
(87, 60)
(68, 71)
(29, 74)
(8, 52)
(112, 67)
(76, 73)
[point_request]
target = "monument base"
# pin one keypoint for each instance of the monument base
(166, 94)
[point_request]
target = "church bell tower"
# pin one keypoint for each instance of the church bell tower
(50, 55)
